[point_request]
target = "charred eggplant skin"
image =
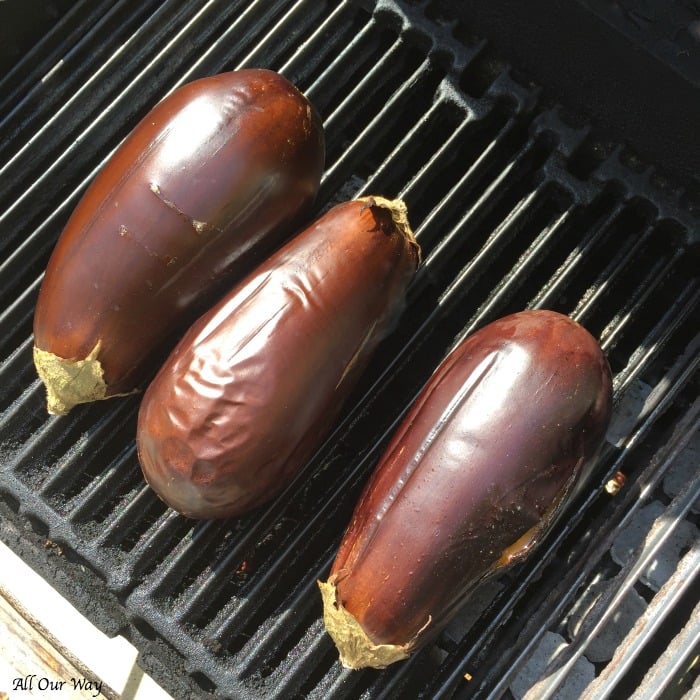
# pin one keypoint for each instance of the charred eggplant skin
(470, 482)
(257, 381)
(213, 178)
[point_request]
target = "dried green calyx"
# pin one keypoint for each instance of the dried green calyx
(356, 649)
(399, 215)
(70, 382)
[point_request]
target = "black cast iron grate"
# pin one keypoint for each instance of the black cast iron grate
(513, 209)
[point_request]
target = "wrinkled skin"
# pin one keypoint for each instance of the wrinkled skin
(475, 474)
(209, 182)
(257, 381)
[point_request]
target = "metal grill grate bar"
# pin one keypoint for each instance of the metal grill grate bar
(677, 657)
(61, 61)
(659, 609)
(606, 607)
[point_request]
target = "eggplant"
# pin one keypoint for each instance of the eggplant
(257, 381)
(212, 179)
(477, 473)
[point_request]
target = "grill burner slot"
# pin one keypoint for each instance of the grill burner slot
(413, 107)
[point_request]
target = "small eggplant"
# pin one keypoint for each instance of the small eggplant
(474, 477)
(257, 381)
(215, 177)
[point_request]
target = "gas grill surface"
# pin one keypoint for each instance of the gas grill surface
(516, 204)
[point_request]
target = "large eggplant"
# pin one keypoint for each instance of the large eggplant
(256, 382)
(473, 478)
(215, 177)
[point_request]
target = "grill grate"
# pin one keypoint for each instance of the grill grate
(413, 107)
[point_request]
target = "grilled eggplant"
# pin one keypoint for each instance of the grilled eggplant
(476, 474)
(257, 381)
(215, 177)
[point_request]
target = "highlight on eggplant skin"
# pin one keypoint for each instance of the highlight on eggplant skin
(213, 178)
(256, 382)
(474, 477)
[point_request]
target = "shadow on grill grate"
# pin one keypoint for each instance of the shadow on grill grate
(509, 214)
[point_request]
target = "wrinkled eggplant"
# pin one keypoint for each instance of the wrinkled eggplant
(258, 380)
(215, 177)
(473, 478)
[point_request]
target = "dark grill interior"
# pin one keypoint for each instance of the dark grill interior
(514, 205)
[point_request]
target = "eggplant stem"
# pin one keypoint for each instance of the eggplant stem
(399, 215)
(356, 649)
(70, 382)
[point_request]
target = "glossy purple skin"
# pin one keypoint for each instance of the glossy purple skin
(475, 474)
(213, 178)
(257, 381)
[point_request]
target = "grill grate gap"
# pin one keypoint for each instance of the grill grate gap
(626, 231)
(18, 78)
(17, 317)
(592, 221)
(339, 28)
(150, 545)
(470, 137)
(367, 133)
(492, 229)
(56, 136)
(103, 443)
(120, 487)
(358, 60)
(72, 63)
(133, 516)
(16, 372)
(312, 686)
(233, 580)
(280, 40)
(663, 639)
(520, 268)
